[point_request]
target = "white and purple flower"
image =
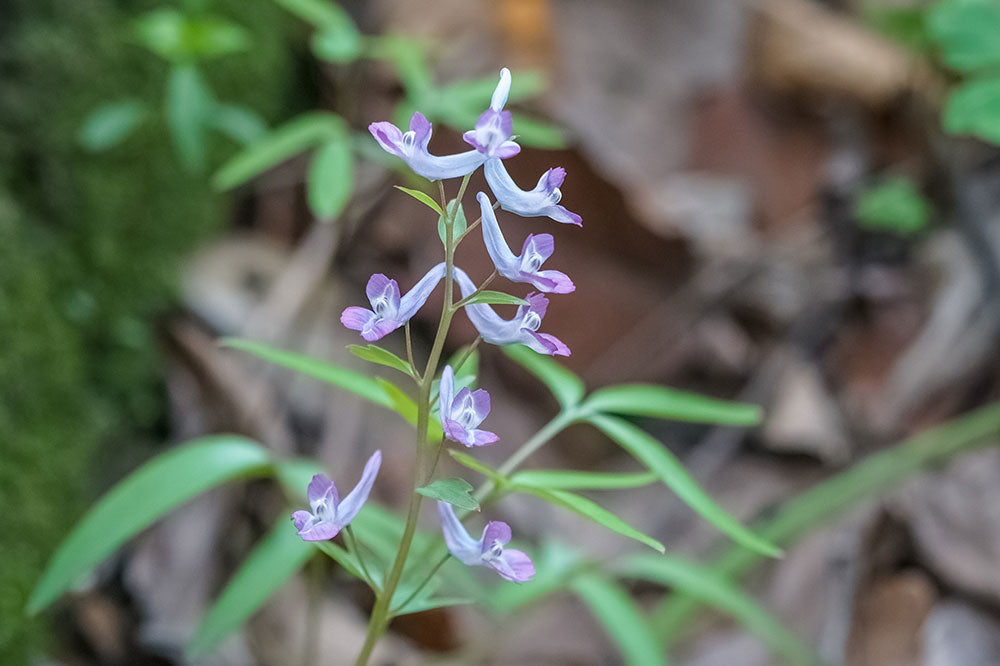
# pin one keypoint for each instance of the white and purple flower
(461, 414)
(543, 201)
(411, 146)
(492, 136)
(330, 514)
(524, 268)
(488, 551)
(522, 329)
(389, 309)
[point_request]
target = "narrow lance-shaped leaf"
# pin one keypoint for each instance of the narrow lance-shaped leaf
(237, 122)
(404, 405)
(657, 458)
(593, 511)
(454, 491)
(567, 388)
(495, 298)
(466, 460)
(423, 198)
(666, 403)
(621, 618)
(565, 479)
(147, 494)
(268, 566)
(695, 580)
(826, 501)
(345, 378)
(188, 104)
(292, 138)
(330, 178)
(110, 124)
(376, 354)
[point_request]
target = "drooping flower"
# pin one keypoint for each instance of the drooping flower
(511, 564)
(411, 146)
(389, 310)
(462, 413)
(492, 136)
(330, 514)
(522, 329)
(525, 268)
(543, 201)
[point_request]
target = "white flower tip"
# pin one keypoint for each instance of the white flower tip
(502, 90)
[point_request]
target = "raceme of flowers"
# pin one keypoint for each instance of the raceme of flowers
(492, 141)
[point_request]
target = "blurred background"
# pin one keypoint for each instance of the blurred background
(786, 202)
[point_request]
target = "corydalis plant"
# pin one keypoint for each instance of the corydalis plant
(461, 411)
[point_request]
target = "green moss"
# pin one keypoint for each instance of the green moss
(90, 247)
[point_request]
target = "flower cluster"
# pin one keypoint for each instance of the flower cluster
(492, 141)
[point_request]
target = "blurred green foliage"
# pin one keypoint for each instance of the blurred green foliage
(90, 246)
(893, 204)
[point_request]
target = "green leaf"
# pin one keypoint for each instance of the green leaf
(658, 458)
(564, 479)
(268, 566)
(375, 354)
(621, 618)
(695, 580)
(567, 388)
(466, 460)
(423, 198)
(110, 124)
(465, 375)
(591, 510)
(410, 60)
(538, 133)
(419, 605)
(238, 123)
(459, 223)
(330, 179)
(404, 405)
(494, 298)
(178, 38)
(336, 45)
(294, 137)
(147, 494)
(454, 491)
(188, 104)
(339, 554)
(893, 205)
(667, 403)
(826, 501)
(973, 108)
(337, 38)
(345, 378)
(905, 25)
(966, 32)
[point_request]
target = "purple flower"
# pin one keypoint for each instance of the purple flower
(522, 329)
(492, 136)
(330, 514)
(489, 550)
(389, 310)
(412, 148)
(540, 202)
(462, 413)
(537, 248)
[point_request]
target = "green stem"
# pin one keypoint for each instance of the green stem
(355, 545)
(479, 290)
(423, 584)
(426, 456)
